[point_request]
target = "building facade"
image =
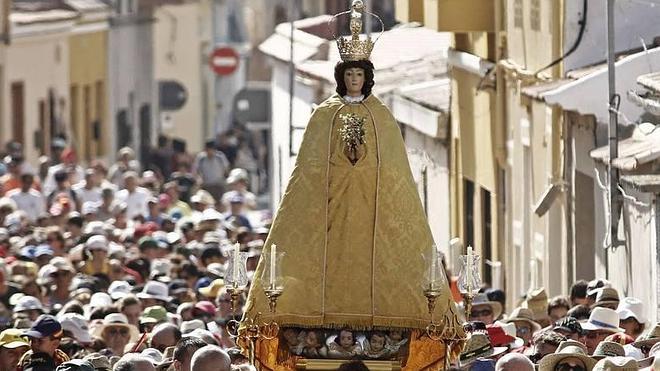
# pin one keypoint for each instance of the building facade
(182, 48)
(88, 81)
(132, 108)
(36, 100)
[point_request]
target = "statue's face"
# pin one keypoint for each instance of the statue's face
(354, 80)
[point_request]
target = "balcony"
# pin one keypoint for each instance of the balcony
(459, 15)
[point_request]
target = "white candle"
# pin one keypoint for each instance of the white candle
(434, 265)
(237, 252)
(273, 260)
(469, 269)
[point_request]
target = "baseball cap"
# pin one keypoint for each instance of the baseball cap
(45, 325)
(119, 289)
(28, 303)
(77, 325)
(156, 313)
(12, 338)
(43, 250)
(97, 242)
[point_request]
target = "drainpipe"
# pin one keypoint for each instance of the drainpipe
(6, 9)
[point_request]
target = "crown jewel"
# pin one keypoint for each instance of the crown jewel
(354, 48)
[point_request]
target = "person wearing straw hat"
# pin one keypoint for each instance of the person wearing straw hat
(608, 349)
(484, 310)
(570, 355)
(631, 316)
(537, 301)
(607, 297)
(616, 364)
(116, 332)
(601, 323)
(523, 318)
(478, 346)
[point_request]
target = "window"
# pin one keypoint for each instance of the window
(40, 136)
(535, 15)
(487, 233)
(18, 112)
(517, 14)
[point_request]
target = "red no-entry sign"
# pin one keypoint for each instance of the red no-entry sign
(224, 61)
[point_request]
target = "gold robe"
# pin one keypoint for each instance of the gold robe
(354, 235)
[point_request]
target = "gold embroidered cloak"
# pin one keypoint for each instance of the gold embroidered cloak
(354, 235)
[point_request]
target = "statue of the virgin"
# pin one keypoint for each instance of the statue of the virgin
(351, 222)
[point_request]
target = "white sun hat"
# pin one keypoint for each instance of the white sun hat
(603, 319)
(631, 307)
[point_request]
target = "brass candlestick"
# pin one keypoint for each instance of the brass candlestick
(273, 293)
(235, 293)
(433, 330)
(467, 298)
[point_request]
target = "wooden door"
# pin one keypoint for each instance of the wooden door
(18, 112)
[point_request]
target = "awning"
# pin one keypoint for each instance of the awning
(424, 107)
(650, 81)
(643, 147)
(588, 95)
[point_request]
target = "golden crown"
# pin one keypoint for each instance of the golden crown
(355, 48)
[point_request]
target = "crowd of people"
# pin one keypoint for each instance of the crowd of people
(121, 267)
(593, 328)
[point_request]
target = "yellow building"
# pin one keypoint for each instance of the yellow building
(477, 145)
(506, 150)
(88, 75)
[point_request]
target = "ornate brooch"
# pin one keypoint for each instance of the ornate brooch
(352, 134)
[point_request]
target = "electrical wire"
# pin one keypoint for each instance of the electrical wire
(583, 25)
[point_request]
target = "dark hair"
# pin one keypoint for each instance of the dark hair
(579, 312)
(187, 345)
(353, 366)
(558, 302)
(579, 290)
(364, 64)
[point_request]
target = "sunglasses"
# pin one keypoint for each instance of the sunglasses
(481, 313)
(569, 367)
(523, 330)
(117, 331)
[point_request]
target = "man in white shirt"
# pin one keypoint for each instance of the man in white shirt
(134, 197)
(87, 190)
(70, 165)
(28, 199)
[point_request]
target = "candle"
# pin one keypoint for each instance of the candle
(434, 265)
(237, 252)
(468, 268)
(273, 262)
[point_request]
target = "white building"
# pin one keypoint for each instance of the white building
(35, 98)
(182, 47)
(132, 107)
